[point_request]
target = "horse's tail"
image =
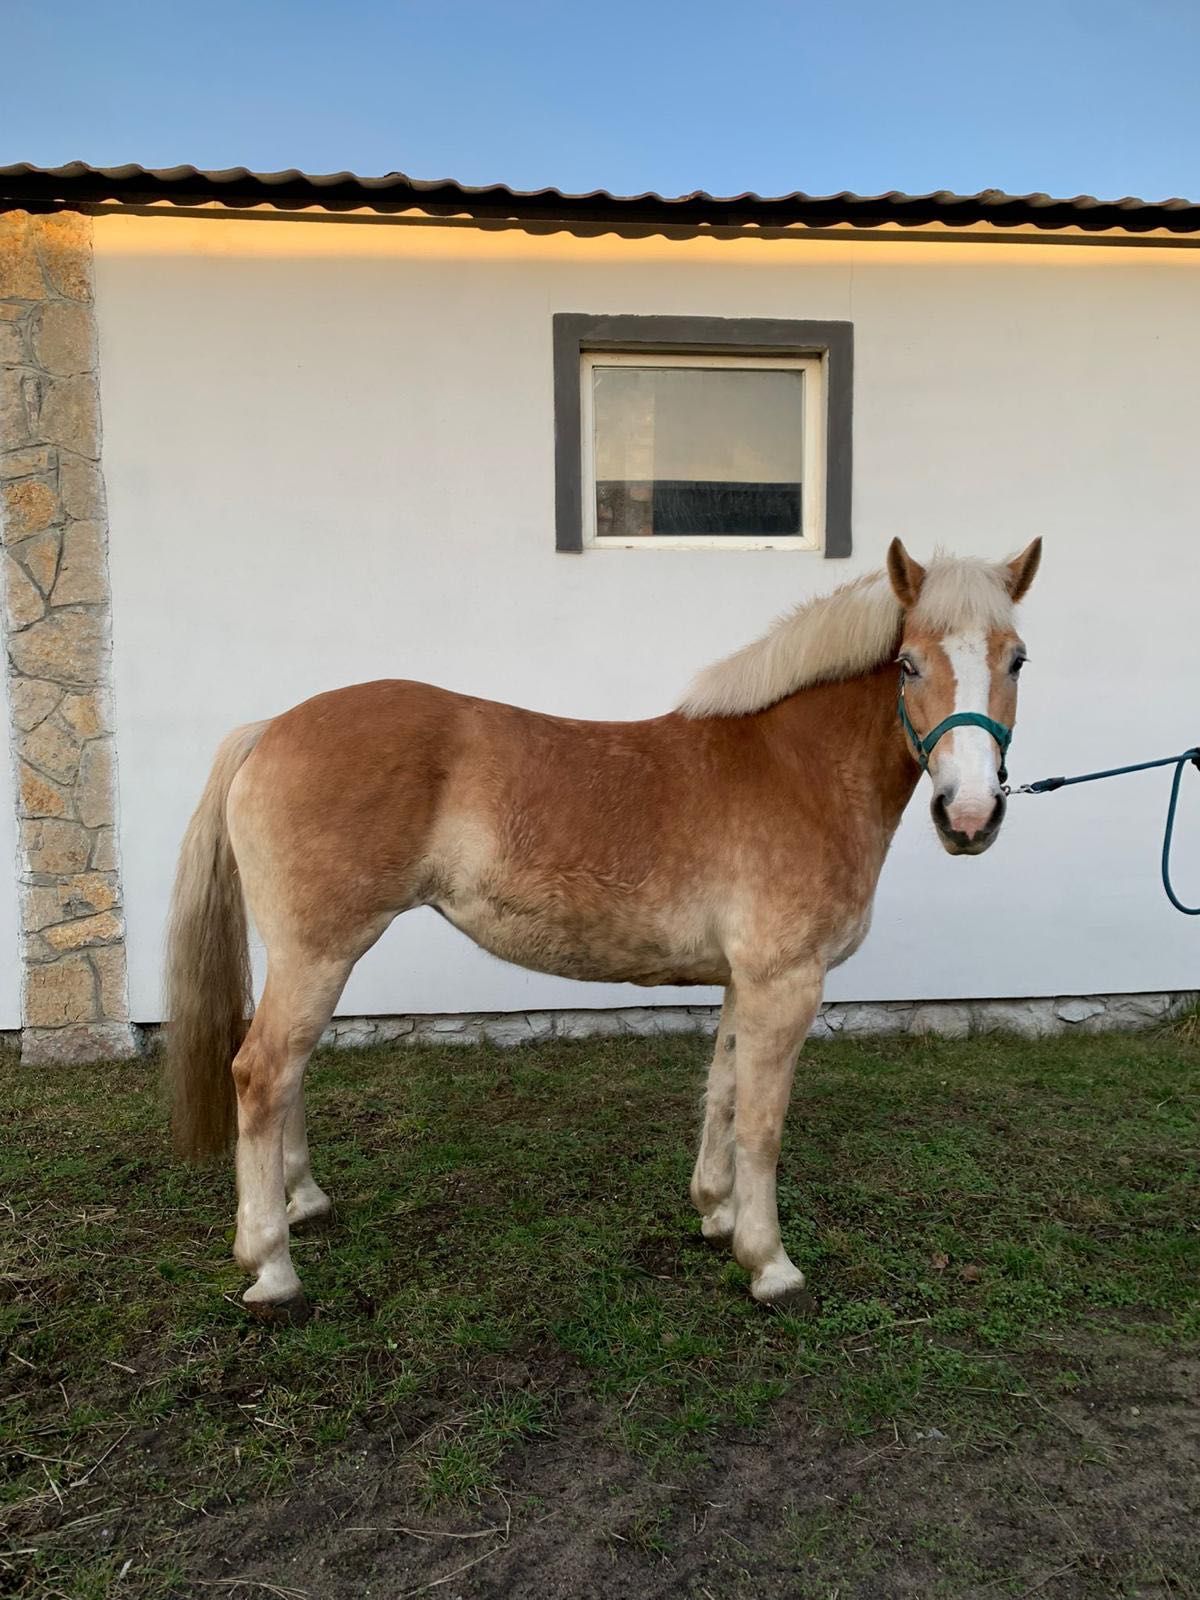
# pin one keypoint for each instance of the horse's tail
(209, 993)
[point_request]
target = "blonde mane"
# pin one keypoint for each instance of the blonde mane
(841, 635)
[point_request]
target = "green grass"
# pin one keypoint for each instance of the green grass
(513, 1226)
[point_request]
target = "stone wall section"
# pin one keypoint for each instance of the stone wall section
(947, 1019)
(1039, 1018)
(58, 640)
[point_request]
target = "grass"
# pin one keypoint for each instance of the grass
(512, 1229)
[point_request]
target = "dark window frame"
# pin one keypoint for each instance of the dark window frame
(577, 334)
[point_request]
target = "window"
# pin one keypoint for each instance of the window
(711, 449)
(685, 432)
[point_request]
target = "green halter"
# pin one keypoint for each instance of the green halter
(959, 719)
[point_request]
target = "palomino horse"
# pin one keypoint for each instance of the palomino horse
(737, 841)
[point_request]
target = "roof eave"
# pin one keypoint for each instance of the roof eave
(78, 186)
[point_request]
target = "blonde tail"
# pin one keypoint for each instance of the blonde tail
(209, 994)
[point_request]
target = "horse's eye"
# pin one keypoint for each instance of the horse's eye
(907, 667)
(1018, 662)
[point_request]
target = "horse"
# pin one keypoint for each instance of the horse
(735, 841)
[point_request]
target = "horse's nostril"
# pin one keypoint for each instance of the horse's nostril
(965, 820)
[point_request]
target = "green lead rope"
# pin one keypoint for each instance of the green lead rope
(1003, 737)
(1192, 757)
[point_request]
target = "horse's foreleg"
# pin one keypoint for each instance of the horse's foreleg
(297, 1002)
(774, 1015)
(712, 1179)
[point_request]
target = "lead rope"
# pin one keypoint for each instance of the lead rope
(1047, 785)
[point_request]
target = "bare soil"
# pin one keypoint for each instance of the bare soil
(1099, 1496)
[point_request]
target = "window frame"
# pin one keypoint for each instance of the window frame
(577, 335)
(812, 449)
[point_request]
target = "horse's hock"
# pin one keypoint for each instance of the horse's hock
(58, 614)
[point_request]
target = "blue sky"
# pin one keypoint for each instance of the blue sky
(1067, 96)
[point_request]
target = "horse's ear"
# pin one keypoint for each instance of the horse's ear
(1022, 570)
(906, 574)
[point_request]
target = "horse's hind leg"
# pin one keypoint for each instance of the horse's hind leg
(712, 1179)
(297, 1002)
(306, 1200)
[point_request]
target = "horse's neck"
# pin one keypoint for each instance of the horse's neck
(849, 735)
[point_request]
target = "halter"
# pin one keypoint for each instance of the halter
(958, 719)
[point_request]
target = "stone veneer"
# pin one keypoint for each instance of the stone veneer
(948, 1019)
(58, 612)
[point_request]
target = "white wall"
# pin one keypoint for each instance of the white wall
(329, 455)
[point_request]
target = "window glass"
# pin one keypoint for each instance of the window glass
(695, 450)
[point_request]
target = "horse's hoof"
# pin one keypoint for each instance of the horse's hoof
(781, 1286)
(292, 1313)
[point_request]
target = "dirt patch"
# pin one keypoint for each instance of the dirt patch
(1096, 1494)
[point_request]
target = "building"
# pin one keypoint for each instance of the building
(262, 435)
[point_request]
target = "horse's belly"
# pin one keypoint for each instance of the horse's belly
(558, 940)
(849, 939)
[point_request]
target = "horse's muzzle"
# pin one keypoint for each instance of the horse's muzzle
(966, 839)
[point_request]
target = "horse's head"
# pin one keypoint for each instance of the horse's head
(959, 659)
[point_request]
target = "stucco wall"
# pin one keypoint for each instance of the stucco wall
(329, 453)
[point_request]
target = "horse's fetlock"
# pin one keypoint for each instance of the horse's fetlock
(707, 1196)
(258, 1241)
(718, 1225)
(753, 1245)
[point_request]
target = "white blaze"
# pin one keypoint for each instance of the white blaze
(969, 770)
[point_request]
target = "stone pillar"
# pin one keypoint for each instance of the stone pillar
(58, 637)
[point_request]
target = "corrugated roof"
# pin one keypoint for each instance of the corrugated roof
(78, 184)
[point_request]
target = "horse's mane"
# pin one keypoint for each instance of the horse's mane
(841, 635)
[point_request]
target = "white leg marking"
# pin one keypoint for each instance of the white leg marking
(773, 1018)
(306, 1198)
(712, 1178)
(262, 1232)
(297, 1002)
